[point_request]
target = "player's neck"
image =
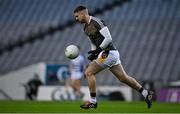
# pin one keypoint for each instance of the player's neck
(88, 19)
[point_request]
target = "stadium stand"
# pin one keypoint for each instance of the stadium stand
(21, 18)
(146, 32)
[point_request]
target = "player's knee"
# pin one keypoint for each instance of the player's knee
(88, 73)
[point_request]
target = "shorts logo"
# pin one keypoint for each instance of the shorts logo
(103, 57)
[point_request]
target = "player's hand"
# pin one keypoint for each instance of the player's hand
(94, 54)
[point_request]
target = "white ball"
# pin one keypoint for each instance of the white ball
(72, 51)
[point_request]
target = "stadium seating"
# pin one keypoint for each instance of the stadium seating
(21, 18)
(146, 32)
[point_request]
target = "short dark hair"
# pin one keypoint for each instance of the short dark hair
(79, 8)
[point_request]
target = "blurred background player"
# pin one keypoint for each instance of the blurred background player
(104, 55)
(32, 86)
(76, 68)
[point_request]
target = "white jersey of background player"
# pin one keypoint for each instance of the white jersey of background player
(77, 67)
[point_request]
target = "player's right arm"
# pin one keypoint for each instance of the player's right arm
(91, 56)
(93, 47)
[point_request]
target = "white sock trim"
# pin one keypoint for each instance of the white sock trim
(144, 93)
(93, 100)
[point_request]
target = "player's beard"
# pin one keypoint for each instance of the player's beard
(82, 21)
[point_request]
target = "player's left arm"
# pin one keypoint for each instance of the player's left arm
(107, 37)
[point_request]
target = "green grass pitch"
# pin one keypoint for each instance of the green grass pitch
(73, 107)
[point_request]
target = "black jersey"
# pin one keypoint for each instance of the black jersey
(92, 31)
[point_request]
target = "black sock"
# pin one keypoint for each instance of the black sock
(141, 89)
(93, 95)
